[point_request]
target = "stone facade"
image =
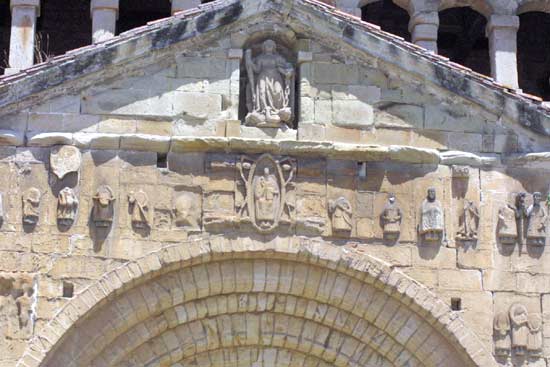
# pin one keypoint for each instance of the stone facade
(148, 220)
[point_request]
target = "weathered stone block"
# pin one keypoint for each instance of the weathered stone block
(200, 67)
(352, 113)
(327, 73)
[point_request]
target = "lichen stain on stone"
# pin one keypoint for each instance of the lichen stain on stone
(458, 85)
(231, 14)
(348, 31)
(205, 20)
(175, 33)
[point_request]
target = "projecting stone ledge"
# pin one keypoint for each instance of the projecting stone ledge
(163, 144)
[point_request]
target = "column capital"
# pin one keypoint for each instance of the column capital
(502, 21)
(424, 17)
(26, 3)
(104, 5)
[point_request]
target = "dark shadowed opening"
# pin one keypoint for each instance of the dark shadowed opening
(136, 13)
(534, 54)
(390, 17)
(461, 38)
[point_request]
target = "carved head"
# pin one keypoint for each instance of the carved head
(266, 171)
(391, 198)
(104, 195)
(520, 199)
(269, 46)
(537, 197)
(431, 194)
(185, 210)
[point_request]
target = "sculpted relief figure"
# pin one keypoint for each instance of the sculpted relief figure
(270, 89)
(266, 182)
(534, 340)
(520, 328)
(103, 211)
(139, 208)
(501, 335)
(536, 221)
(507, 226)
(187, 211)
(431, 220)
(65, 159)
(391, 218)
(341, 213)
(517, 331)
(15, 306)
(469, 222)
(67, 206)
(521, 216)
(31, 206)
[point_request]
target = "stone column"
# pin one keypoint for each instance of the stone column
(23, 31)
(502, 33)
(180, 5)
(104, 16)
(423, 27)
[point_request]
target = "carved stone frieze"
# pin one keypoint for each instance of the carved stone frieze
(391, 218)
(139, 209)
(65, 159)
(431, 226)
(103, 209)
(67, 207)
(517, 332)
(270, 87)
(469, 222)
(31, 206)
(267, 181)
(341, 212)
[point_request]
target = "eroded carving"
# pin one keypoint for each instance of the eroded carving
(507, 226)
(391, 218)
(103, 210)
(460, 171)
(67, 207)
(431, 220)
(65, 159)
(513, 221)
(15, 306)
(187, 211)
(536, 221)
(340, 214)
(270, 87)
(266, 184)
(31, 206)
(517, 331)
(139, 209)
(469, 222)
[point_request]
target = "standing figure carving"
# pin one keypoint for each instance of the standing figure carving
(536, 221)
(507, 225)
(270, 89)
(534, 340)
(520, 328)
(31, 206)
(67, 206)
(501, 327)
(341, 214)
(103, 211)
(139, 207)
(266, 183)
(521, 216)
(470, 222)
(391, 218)
(431, 222)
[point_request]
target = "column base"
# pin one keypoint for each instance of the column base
(10, 71)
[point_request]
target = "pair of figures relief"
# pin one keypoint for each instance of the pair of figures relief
(518, 332)
(270, 87)
(523, 224)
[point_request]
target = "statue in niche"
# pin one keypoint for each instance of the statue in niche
(103, 211)
(501, 326)
(431, 220)
(67, 206)
(139, 208)
(187, 211)
(520, 328)
(266, 183)
(534, 340)
(536, 222)
(391, 218)
(341, 213)
(469, 222)
(31, 206)
(270, 88)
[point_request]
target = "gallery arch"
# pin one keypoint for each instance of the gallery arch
(273, 302)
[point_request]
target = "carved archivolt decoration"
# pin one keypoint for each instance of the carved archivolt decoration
(266, 183)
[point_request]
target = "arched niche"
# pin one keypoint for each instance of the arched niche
(271, 102)
(292, 298)
(387, 14)
(461, 38)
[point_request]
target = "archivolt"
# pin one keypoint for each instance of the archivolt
(220, 298)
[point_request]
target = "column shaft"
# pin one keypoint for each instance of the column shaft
(502, 34)
(23, 31)
(104, 16)
(423, 27)
(180, 5)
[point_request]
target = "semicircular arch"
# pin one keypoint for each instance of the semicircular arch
(204, 282)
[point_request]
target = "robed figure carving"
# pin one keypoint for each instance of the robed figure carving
(266, 196)
(391, 218)
(431, 220)
(270, 88)
(536, 221)
(520, 328)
